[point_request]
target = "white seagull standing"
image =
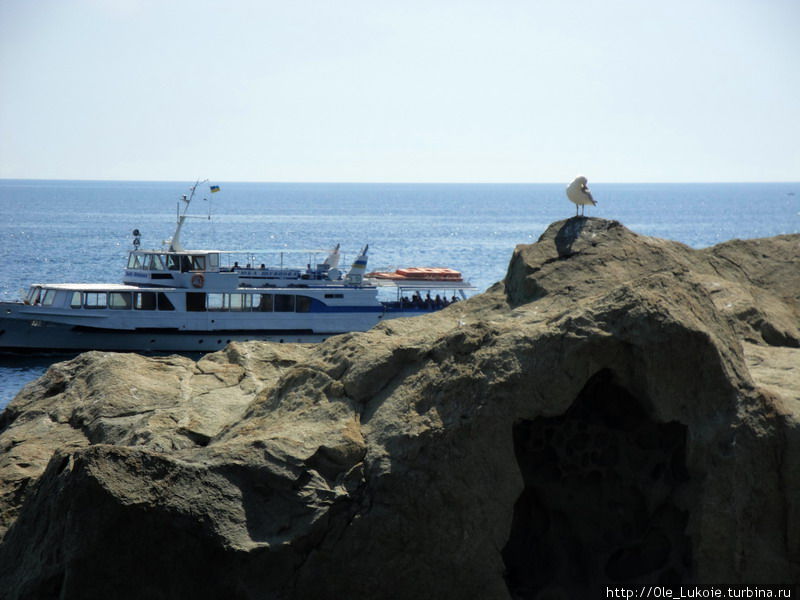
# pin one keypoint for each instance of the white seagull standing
(578, 192)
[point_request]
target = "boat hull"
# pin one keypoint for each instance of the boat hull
(28, 337)
(23, 335)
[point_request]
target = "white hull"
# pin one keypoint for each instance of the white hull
(22, 337)
(26, 329)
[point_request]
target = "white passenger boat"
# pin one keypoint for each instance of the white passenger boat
(182, 300)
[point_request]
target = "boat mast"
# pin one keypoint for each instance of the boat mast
(175, 242)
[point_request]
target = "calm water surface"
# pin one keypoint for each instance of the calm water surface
(78, 231)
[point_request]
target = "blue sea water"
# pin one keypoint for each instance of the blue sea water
(80, 231)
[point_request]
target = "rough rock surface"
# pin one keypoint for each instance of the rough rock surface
(620, 410)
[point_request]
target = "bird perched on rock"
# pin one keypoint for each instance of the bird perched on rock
(578, 192)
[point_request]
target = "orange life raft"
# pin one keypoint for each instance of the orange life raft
(419, 274)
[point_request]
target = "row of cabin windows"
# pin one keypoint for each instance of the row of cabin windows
(121, 300)
(171, 262)
(194, 301)
(258, 302)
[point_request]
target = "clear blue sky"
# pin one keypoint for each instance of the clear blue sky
(407, 91)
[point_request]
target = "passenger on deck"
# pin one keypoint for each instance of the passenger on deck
(453, 299)
(438, 301)
(235, 266)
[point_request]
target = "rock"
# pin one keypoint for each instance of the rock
(161, 404)
(621, 410)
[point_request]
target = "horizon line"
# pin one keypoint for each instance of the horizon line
(376, 182)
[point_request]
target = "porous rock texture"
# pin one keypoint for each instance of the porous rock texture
(621, 410)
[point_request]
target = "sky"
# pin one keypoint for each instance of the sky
(400, 91)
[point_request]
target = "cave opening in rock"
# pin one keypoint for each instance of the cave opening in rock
(602, 498)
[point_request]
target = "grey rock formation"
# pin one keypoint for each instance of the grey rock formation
(620, 410)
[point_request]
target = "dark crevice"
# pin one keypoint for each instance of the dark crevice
(196, 437)
(599, 505)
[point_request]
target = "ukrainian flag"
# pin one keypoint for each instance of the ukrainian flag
(214, 188)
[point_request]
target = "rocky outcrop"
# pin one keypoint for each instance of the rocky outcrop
(620, 410)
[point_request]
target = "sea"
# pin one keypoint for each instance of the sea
(81, 231)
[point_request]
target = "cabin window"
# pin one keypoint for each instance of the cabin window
(139, 261)
(164, 303)
(199, 263)
(186, 264)
(145, 301)
(48, 297)
(262, 302)
(213, 260)
(239, 302)
(215, 301)
(303, 304)
(33, 295)
(119, 300)
(284, 303)
(196, 301)
(76, 301)
(172, 262)
(158, 263)
(95, 300)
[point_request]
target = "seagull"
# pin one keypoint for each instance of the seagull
(578, 192)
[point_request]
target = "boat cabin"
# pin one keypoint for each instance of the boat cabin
(184, 269)
(151, 260)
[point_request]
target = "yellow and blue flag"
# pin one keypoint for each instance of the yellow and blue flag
(214, 188)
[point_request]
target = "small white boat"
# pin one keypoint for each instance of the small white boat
(182, 300)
